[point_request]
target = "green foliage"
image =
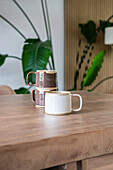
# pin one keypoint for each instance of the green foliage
(105, 24)
(22, 90)
(35, 56)
(89, 31)
(94, 69)
(36, 53)
(2, 59)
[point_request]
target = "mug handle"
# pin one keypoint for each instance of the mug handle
(33, 96)
(32, 72)
(80, 102)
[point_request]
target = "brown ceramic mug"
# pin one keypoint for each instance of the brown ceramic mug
(44, 78)
(38, 96)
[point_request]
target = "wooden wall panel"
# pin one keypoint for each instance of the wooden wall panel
(80, 11)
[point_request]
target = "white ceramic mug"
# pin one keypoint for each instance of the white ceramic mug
(60, 102)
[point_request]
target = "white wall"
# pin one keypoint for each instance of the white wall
(11, 42)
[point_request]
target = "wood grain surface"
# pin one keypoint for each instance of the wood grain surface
(30, 139)
(81, 11)
(104, 162)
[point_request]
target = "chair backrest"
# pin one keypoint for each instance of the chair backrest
(6, 90)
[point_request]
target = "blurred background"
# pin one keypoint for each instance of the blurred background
(11, 42)
(80, 39)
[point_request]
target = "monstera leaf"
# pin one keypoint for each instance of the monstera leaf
(2, 58)
(94, 69)
(105, 24)
(89, 31)
(22, 90)
(35, 56)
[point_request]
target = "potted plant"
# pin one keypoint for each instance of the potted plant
(36, 53)
(90, 32)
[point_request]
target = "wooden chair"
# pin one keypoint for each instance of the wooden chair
(6, 90)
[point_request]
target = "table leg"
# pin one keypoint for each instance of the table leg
(61, 167)
(71, 166)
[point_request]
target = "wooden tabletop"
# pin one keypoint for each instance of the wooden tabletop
(54, 140)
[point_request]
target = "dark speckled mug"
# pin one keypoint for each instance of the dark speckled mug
(44, 78)
(38, 96)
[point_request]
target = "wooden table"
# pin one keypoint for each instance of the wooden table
(31, 140)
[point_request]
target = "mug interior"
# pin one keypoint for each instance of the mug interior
(47, 71)
(58, 92)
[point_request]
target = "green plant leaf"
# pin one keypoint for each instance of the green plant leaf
(22, 90)
(2, 58)
(89, 31)
(90, 90)
(105, 24)
(94, 69)
(35, 56)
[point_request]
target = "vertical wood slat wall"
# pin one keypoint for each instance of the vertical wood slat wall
(80, 11)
